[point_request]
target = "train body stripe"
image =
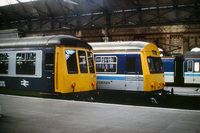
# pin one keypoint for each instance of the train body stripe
(106, 77)
(169, 74)
(192, 74)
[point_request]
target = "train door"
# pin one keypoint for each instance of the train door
(133, 77)
(49, 71)
(193, 72)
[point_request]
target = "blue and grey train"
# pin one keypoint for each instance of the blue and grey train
(61, 63)
(131, 66)
(182, 70)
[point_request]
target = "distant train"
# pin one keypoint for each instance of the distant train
(128, 66)
(62, 64)
(182, 70)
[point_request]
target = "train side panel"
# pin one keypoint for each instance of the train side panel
(24, 70)
(121, 71)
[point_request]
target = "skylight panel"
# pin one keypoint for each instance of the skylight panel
(10, 2)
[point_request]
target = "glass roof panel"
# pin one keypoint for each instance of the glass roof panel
(10, 2)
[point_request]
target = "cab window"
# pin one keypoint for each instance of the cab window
(82, 62)
(70, 56)
(91, 62)
(155, 65)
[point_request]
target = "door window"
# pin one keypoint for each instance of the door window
(130, 67)
(49, 61)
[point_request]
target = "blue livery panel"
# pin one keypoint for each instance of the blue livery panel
(127, 75)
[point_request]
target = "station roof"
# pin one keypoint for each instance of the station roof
(96, 13)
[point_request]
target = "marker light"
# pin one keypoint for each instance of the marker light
(164, 83)
(153, 84)
(93, 83)
(73, 84)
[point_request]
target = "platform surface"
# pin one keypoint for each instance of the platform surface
(39, 115)
(184, 91)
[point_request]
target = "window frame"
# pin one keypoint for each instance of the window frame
(26, 60)
(12, 64)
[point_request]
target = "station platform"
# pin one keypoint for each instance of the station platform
(39, 115)
(184, 91)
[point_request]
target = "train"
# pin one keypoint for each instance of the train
(182, 70)
(128, 66)
(59, 64)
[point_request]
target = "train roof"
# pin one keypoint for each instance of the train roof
(189, 54)
(43, 41)
(114, 46)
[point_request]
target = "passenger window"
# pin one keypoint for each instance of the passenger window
(91, 62)
(49, 61)
(4, 57)
(106, 64)
(190, 66)
(82, 62)
(70, 56)
(197, 66)
(130, 64)
(25, 63)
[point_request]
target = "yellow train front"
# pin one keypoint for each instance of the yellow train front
(62, 64)
(133, 66)
(152, 67)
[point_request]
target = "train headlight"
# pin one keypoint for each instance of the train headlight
(73, 85)
(153, 85)
(164, 83)
(93, 83)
